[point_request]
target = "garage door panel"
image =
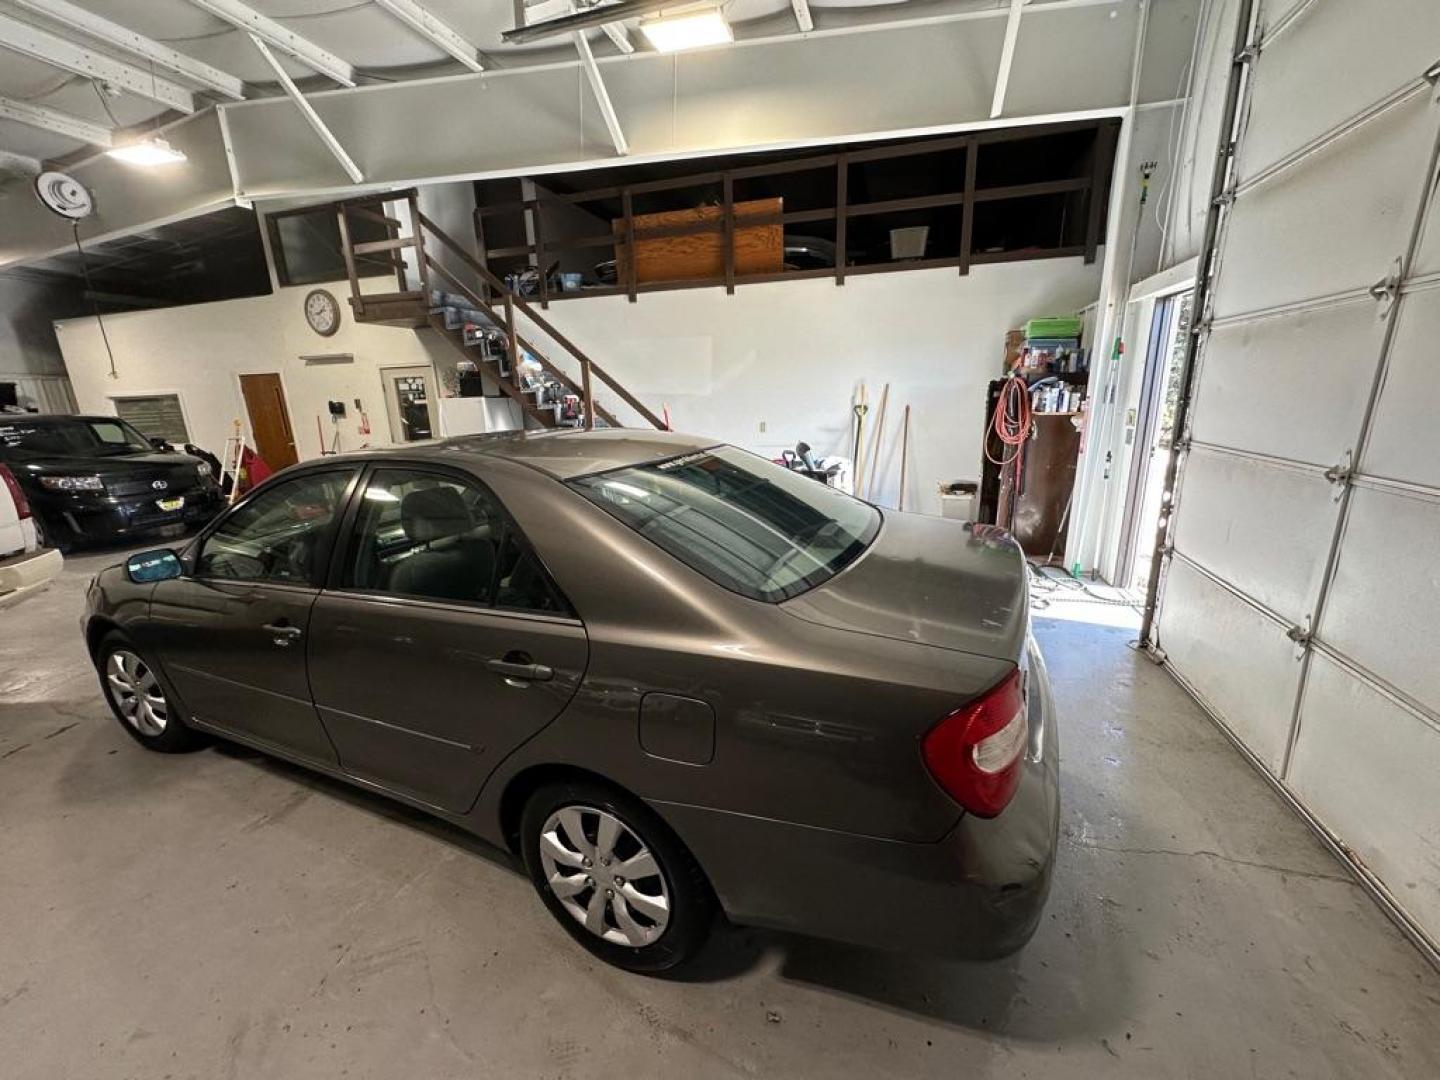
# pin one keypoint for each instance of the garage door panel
(1382, 606)
(1362, 765)
(1333, 223)
(1240, 661)
(1264, 528)
(1296, 95)
(1261, 373)
(1405, 442)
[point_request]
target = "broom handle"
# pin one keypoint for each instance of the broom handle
(904, 453)
(874, 455)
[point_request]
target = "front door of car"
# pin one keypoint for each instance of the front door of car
(232, 632)
(441, 643)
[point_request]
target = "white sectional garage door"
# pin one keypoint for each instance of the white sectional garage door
(1301, 600)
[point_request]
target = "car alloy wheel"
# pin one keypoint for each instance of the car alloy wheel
(605, 875)
(137, 692)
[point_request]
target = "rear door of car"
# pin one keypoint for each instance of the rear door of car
(440, 643)
(232, 632)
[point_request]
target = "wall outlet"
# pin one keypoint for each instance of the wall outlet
(762, 427)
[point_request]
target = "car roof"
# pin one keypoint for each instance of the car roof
(563, 454)
(49, 418)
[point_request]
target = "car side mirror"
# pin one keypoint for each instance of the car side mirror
(148, 566)
(159, 443)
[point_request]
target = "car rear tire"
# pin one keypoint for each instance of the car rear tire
(615, 876)
(140, 701)
(59, 537)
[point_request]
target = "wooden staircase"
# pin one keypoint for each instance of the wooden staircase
(425, 308)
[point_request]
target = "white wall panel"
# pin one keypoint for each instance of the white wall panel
(1405, 444)
(1379, 46)
(1386, 593)
(1367, 769)
(1335, 222)
(1239, 660)
(1260, 376)
(1264, 528)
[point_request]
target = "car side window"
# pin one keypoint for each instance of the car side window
(437, 537)
(279, 534)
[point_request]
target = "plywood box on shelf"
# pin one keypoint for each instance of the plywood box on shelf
(759, 249)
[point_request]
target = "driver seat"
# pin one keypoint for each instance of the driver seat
(451, 564)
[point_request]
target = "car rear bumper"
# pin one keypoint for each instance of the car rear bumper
(22, 574)
(977, 893)
(106, 518)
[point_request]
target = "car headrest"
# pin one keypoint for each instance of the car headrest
(433, 513)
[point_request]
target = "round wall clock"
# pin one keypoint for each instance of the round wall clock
(322, 312)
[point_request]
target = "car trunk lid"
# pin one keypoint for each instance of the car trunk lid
(932, 581)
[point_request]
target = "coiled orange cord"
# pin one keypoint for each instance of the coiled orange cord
(1012, 419)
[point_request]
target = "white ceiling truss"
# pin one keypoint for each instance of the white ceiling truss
(114, 74)
(54, 121)
(74, 17)
(803, 19)
(434, 31)
(308, 111)
(246, 18)
(1007, 56)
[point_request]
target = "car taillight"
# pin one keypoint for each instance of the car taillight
(22, 505)
(975, 753)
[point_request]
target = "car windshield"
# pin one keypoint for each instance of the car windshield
(71, 438)
(748, 524)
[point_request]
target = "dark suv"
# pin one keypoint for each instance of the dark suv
(96, 478)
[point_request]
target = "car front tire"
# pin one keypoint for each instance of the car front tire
(140, 701)
(615, 876)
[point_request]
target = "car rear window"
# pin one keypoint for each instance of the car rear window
(747, 524)
(72, 438)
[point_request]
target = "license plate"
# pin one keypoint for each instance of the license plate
(175, 503)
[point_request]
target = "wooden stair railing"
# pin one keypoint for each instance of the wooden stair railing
(406, 307)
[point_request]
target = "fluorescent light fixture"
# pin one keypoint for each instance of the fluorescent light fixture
(153, 151)
(695, 30)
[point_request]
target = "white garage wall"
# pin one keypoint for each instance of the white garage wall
(1300, 601)
(198, 351)
(789, 355)
(785, 354)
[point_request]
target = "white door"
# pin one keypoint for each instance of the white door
(1302, 599)
(411, 403)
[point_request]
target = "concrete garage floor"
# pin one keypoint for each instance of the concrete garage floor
(222, 915)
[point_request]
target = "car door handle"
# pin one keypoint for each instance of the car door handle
(521, 671)
(281, 634)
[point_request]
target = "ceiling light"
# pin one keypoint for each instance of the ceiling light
(153, 151)
(675, 33)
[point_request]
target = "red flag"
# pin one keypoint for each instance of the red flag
(253, 469)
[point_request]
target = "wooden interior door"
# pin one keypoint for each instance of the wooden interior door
(269, 419)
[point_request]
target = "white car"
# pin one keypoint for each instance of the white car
(24, 565)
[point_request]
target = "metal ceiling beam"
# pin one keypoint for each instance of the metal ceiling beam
(311, 116)
(584, 20)
(55, 122)
(803, 18)
(434, 31)
(112, 33)
(1007, 57)
(44, 46)
(602, 95)
(617, 35)
(245, 18)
